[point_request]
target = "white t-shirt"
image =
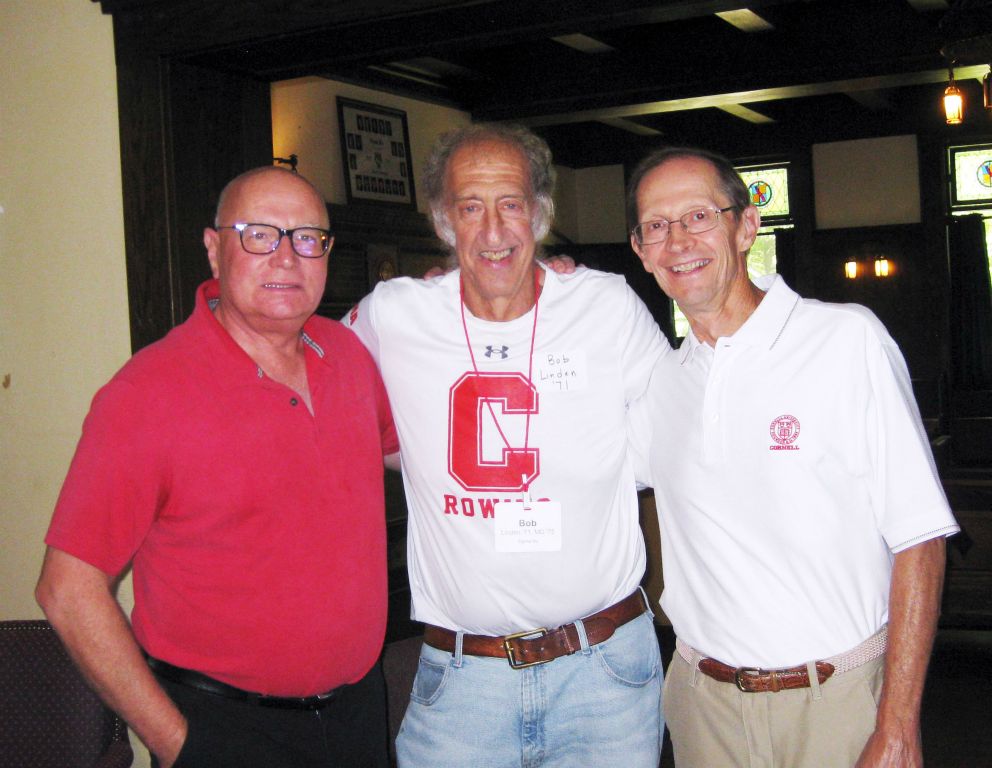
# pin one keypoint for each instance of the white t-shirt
(789, 463)
(466, 441)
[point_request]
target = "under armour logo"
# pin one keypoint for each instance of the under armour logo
(501, 351)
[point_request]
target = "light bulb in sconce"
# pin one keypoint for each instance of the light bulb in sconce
(953, 101)
(882, 266)
(850, 269)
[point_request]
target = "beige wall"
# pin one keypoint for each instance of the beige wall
(305, 122)
(63, 301)
(589, 205)
(884, 190)
(588, 202)
(63, 298)
(599, 204)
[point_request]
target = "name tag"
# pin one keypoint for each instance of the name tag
(559, 371)
(533, 527)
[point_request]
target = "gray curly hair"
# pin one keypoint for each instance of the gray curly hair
(533, 147)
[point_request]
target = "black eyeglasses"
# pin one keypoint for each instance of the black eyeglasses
(260, 239)
(694, 222)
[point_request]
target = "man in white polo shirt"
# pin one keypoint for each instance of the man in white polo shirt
(802, 521)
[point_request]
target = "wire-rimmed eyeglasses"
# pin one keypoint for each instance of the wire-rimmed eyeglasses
(694, 222)
(260, 239)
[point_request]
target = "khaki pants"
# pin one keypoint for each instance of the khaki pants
(715, 725)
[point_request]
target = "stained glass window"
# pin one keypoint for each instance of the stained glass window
(769, 188)
(971, 172)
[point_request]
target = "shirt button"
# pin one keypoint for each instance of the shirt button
(715, 417)
(293, 401)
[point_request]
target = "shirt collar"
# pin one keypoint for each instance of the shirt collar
(765, 325)
(230, 356)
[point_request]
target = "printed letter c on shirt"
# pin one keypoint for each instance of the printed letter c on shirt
(469, 401)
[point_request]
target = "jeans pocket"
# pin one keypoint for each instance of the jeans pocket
(631, 658)
(429, 682)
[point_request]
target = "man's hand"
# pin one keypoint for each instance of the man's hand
(562, 264)
(896, 750)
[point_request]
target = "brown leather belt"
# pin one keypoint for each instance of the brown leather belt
(752, 680)
(539, 646)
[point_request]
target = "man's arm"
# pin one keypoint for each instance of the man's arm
(914, 605)
(76, 597)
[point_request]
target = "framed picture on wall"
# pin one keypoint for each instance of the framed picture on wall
(375, 150)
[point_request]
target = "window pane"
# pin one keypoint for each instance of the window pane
(761, 259)
(769, 188)
(972, 171)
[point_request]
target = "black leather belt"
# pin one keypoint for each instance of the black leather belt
(201, 682)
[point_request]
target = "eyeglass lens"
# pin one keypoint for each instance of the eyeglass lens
(694, 222)
(308, 242)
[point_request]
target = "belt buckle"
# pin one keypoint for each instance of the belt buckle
(739, 674)
(514, 664)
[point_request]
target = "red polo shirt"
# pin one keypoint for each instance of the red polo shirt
(256, 530)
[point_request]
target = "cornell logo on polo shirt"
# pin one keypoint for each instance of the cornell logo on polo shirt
(784, 431)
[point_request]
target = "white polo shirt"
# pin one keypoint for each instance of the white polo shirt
(461, 430)
(789, 465)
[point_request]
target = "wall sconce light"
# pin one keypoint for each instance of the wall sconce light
(881, 266)
(292, 161)
(953, 101)
(850, 269)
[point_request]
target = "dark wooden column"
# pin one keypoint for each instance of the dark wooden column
(185, 131)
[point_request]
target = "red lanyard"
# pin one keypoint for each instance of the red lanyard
(530, 362)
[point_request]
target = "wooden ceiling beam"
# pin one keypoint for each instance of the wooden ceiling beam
(723, 100)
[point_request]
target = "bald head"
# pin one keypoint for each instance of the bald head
(240, 191)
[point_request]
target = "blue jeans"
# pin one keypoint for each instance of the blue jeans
(599, 706)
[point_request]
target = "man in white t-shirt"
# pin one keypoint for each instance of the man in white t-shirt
(509, 386)
(802, 520)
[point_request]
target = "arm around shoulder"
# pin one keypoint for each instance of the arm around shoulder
(78, 601)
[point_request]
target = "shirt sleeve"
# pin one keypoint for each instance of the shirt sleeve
(908, 499)
(111, 493)
(643, 345)
(638, 425)
(361, 320)
(390, 440)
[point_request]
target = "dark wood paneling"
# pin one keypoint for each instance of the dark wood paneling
(968, 593)
(362, 234)
(971, 440)
(141, 105)
(220, 125)
(185, 132)
(905, 301)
